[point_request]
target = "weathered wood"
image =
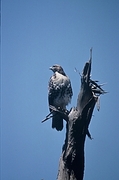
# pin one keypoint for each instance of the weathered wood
(71, 165)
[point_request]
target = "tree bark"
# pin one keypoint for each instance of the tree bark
(71, 165)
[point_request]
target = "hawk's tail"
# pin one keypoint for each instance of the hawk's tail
(57, 121)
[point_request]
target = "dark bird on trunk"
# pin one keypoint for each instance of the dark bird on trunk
(59, 94)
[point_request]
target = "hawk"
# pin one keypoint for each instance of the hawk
(59, 94)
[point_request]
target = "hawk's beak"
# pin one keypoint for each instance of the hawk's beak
(51, 68)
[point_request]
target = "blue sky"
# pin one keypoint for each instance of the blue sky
(35, 35)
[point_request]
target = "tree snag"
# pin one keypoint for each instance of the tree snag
(71, 165)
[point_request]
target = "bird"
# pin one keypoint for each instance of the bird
(59, 94)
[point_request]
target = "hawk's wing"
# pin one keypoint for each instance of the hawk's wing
(53, 91)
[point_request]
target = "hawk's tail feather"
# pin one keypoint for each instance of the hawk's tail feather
(57, 121)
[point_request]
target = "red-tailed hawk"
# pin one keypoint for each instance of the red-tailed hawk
(59, 95)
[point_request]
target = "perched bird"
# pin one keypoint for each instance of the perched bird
(59, 94)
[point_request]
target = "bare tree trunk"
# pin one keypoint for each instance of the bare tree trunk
(71, 165)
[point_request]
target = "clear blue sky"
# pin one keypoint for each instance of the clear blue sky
(35, 35)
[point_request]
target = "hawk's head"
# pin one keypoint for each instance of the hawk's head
(57, 68)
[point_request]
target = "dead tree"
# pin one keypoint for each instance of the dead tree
(71, 165)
